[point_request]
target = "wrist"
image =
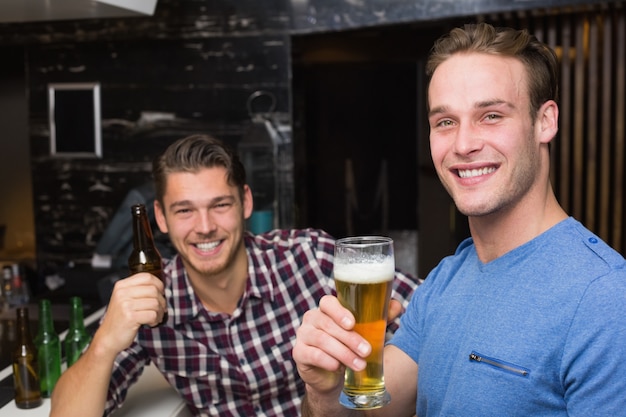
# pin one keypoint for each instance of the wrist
(100, 348)
(321, 404)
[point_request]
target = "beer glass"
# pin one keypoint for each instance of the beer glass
(363, 271)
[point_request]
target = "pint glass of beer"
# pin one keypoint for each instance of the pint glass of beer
(363, 272)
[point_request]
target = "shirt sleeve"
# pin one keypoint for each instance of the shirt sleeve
(593, 368)
(127, 369)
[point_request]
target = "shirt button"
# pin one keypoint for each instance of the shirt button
(593, 240)
(242, 361)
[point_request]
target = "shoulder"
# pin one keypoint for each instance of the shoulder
(299, 260)
(290, 239)
(569, 248)
(464, 250)
(595, 247)
(302, 249)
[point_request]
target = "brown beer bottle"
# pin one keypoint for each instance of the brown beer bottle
(145, 256)
(25, 371)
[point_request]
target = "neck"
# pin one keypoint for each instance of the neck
(221, 292)
(498, 233)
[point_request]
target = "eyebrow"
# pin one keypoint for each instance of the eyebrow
(494, 102)
(215, 200)
(181, 203)
(437, 110)
(478, 105)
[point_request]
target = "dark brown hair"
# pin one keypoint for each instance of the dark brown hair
(193, 153)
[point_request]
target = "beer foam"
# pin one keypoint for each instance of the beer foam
(365, 272)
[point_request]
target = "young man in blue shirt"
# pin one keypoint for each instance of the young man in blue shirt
(527, 317)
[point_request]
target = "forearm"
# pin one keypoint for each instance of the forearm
(82, 389)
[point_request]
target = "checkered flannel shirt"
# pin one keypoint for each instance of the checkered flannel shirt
(240, 364)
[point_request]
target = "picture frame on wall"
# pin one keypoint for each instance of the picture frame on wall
(75, 125)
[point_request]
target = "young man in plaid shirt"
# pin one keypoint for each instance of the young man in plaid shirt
(234, 300)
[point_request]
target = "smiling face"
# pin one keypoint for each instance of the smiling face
(484, 144)
(205, 218)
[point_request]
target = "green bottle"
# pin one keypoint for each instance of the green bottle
(77, 338)
(48, 347)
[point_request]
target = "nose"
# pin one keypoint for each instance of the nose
(206, 223)
(468, 139)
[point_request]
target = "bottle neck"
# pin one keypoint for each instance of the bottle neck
(142, 233)
(23, 326)
(46, 324)
(76, 315)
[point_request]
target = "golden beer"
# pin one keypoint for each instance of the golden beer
(363, 281)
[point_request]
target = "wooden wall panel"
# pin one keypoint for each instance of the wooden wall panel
(578, 119)
(566, 105)
(590, 157)
(620, 131)
(605, 128)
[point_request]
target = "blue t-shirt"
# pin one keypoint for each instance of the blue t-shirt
(540, 331)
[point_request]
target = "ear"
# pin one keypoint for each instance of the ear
(248, 203)
(547, 124)
(159, 216)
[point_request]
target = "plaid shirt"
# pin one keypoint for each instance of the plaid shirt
(240, 364)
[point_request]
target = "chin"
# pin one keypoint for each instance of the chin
(208, 269)
(472, 210)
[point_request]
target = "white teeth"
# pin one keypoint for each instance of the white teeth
(207, 246)
(468, 173)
